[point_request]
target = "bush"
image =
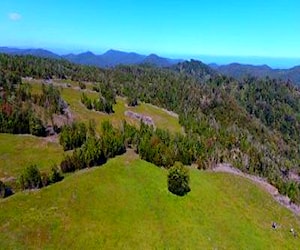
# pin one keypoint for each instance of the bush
(31, 178)
(67, 165)
(45, 179)
(5, 191)
(178, 179)
(73, 136)
(112, 141)
(55, 175)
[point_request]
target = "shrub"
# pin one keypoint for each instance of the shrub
(112, 141)
(5, 191)
(67, 165)
(45, 179)
(73, 136)
(55, 175)
(92, 152)
(31, 178)
(178, 179)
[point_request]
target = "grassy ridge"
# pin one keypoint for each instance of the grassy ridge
(125, 205)
(19, 151)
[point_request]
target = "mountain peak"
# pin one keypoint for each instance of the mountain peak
(87, 53)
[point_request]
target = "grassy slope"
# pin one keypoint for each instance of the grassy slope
(125, 205)
(19, 151)
(161, 118)
(38, 151)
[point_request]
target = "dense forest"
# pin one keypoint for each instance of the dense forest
(251, 123)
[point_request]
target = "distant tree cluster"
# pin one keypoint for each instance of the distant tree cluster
(50, 99)
(99, 104)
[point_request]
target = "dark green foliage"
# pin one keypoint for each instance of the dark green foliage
(31, 178)
(55, 175)
(130, 134)
(132, 101)
(86, 101)
(16, 113)
(112, 141)
(178, 179)
(36, 126)
(163, 149)
(73, 136)
(275, 103)
(82, 85)
(45, 179)
(67, 165)
(93, 152)
(92, 128)
(51, 100)
(292, 190)
(4, 190)
(101, 104)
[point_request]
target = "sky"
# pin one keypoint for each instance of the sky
(175, 28)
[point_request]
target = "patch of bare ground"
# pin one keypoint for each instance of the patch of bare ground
(282, 199)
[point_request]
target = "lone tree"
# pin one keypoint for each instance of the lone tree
(178, 179)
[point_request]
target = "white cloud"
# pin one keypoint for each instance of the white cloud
(14, 16)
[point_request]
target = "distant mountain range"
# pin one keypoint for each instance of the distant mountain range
(240, 71)
(110, 58)
(113, 58)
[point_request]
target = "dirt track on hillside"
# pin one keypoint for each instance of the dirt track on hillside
(283, 200)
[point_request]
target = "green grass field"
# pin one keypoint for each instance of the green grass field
(125, 204)
(19, 151)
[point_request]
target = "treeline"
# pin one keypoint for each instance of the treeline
(20, 109)
(45, 68)
(98, 104)
(17, 115)
(226, 129)
(96, 150)
(154, 145)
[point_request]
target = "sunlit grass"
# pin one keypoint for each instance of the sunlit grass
(125, 204)
(19, 151)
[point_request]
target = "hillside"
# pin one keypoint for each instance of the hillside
(125, 204)
(193, 115)
(222, 118)
(240, 71)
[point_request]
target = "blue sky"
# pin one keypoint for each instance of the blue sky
(256, 28)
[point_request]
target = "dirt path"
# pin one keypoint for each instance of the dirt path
(282, 199)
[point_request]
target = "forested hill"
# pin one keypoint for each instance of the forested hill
(195, 69)
(240, 71)
(111, 58)
(252, 124)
